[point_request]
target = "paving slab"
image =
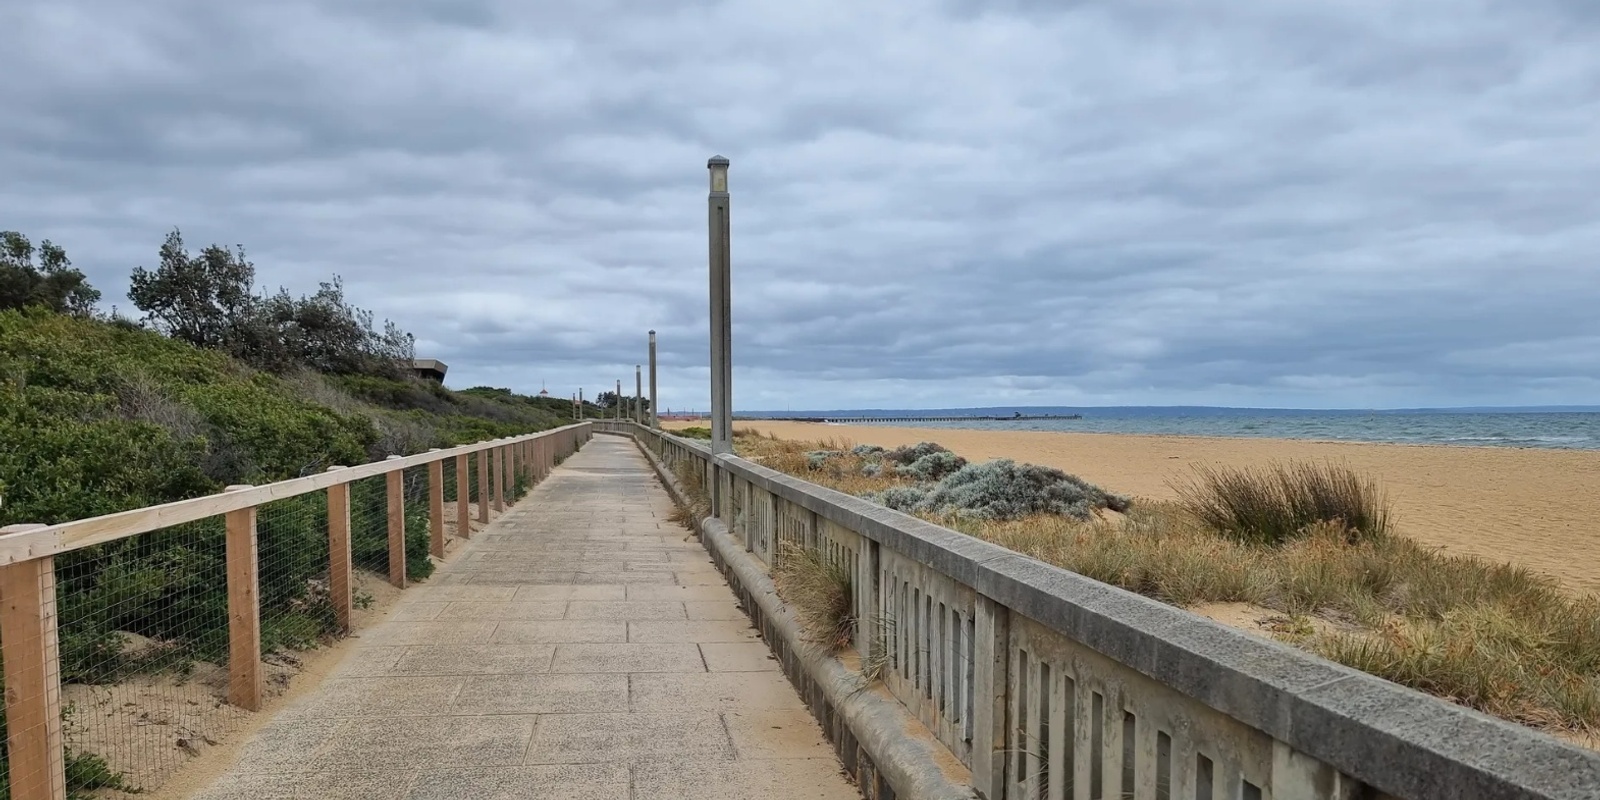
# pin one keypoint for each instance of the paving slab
(504, 612)
(788, 779)
(626, 658)
(564, 781)
(626, 610)
(692, 631)
(580, 646)
(602, 738)
(554, 693)
(482, 659)
(751, 691)
(404, 743)
(565, 631)
(714, 609)
(738, 657)
(560, 591)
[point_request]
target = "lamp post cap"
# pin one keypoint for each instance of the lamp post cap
(652, 333)
(717, 161)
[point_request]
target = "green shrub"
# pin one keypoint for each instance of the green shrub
(932, 467)
(907, 454)
(1003, 489)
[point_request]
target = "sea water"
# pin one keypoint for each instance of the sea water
(1578, 430)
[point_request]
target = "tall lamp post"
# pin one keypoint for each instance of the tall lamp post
(655, 419)
(721, 309)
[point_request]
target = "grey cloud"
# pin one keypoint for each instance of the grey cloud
(951, 203)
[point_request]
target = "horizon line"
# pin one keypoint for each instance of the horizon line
(1581, 408)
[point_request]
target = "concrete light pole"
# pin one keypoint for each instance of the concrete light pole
(721, 309)
(619, 399)
(580, 404)
(638, 394)
(655, 419)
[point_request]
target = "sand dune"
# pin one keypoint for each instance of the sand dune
(1539, 508)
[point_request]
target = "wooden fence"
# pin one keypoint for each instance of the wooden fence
(28, 619)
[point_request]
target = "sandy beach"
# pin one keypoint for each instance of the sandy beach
(1539, 508)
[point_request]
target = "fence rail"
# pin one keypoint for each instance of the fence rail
(1051, 686)
(30, 620)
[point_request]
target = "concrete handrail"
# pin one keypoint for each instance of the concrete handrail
(1252, 716)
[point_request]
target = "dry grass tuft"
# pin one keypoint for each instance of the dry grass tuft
(699, 502)
(1280, 502)
(819, 593)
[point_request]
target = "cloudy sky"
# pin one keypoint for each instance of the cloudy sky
(1310, 204)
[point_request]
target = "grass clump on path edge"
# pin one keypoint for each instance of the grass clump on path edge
(819, 593)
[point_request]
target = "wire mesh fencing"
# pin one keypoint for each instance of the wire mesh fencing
(143, 638)
(161, 643)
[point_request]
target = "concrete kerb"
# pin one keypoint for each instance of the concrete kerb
(913, 766)
(1396, 739)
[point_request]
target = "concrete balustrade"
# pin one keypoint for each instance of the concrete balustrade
(1045, 684)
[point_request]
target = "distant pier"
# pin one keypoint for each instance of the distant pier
(1014, 418)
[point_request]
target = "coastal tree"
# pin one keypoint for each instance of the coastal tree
(209, 300)
(609, 400)
(42, 276)
(205, 300)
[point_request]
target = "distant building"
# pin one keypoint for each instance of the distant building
(431, 368)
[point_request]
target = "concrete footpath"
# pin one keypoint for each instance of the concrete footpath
(577, 648)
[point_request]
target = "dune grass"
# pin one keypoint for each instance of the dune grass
(1274, 504)
(818, 591)
(1315, 544)
(699, 501)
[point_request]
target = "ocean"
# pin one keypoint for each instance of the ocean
(1564, 430)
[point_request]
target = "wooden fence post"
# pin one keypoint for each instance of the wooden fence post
(483, 485)
(244, 609)
(340, 589)
(513, 471)
(436, 506)
(33, 676)
(463, 499)
(508, 472)
(497, 458)
(395, 480)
